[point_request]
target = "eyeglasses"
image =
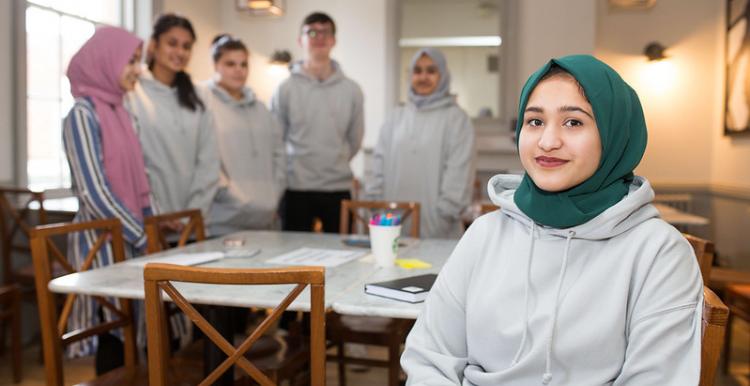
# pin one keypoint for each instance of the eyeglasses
(314, 33)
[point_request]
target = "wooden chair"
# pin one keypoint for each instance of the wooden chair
(350, 208)
(54, 335)
(10, 316)
(15, 224)
(159, 277)
(715, 317)
(487, 208)
(704, 251)
(377, 331)
(194, 229)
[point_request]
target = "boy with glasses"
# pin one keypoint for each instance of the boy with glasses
(321, 112)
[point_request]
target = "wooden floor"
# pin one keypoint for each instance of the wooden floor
(82, 369)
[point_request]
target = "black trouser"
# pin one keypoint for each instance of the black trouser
(300, 208)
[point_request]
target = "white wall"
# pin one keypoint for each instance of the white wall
(682, 113)
(365, 48)
(6, 93)
(440, 18)
(548, 29)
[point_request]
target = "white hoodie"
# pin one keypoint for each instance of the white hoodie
(614, 301)
(426, 154)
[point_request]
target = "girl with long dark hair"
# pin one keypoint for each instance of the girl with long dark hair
(175, 129)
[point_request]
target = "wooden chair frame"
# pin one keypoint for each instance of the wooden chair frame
(157, 240)
(54, 337)
(487, 208)
(17, 218)
(704, 251)
(714, 324)
(158, 277)
(350, 207)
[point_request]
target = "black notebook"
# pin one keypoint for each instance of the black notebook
(412, 289)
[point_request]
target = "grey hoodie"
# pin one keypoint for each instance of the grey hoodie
(253, 163)
(179, 147)
(426, 154)
(614, 301)
(323, 125)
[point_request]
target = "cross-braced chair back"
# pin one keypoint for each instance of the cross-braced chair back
(54, 335)
(715, 315)
(193, 228)
(355, 209)
(15, 215)
(704, 251)
(159, 277)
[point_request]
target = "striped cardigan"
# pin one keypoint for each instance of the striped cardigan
(83, 147)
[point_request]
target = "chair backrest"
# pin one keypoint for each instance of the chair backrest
(409, 210)
(704, 251)
(157, 239)
(54, 335)
(715, 315)
(15, 210)
(487, 208)
(158, 277)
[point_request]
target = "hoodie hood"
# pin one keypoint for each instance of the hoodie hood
(434, 104)
(148, 82)
(296, 69)
(248, 96)
(631, 210)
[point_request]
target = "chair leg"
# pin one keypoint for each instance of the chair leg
(16, 338)
(394, 368)
(3, 327)
(728, 343)
(340, 353)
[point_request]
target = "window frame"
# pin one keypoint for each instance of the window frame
(134, 16)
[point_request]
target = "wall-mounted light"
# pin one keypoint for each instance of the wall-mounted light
(281, 57)
(261, 7)
(655, 51)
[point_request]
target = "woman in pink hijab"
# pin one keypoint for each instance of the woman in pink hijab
(105, 157)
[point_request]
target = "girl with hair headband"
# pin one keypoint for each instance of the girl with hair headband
(106, 162)
(253, 161)
(575, 280)
(175, 128)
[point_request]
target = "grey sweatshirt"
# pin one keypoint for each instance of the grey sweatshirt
(179, 147)
(426, 155)
(614, 301)
(323, 125)
(253, 163)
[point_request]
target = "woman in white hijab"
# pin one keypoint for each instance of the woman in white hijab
(426, 150)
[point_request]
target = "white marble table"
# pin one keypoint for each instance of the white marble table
(344, 284)
(675, 216)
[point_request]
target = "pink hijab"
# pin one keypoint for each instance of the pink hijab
(94, 72)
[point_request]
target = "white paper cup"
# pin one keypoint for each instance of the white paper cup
(384, 243)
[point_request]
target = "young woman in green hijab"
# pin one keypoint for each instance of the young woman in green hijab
(575, 280)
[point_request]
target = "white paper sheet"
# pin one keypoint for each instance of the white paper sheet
(180, 259)
(317, 257)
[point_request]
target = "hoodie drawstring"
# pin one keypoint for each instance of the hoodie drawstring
(526, 297)
(547, 377)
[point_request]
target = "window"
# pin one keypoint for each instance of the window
(55, 30)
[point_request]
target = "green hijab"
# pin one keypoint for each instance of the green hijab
(622, 129)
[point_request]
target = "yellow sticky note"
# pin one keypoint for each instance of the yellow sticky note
(412, 264)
